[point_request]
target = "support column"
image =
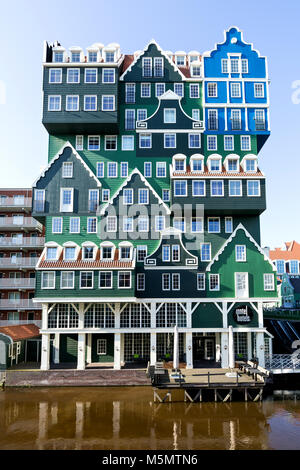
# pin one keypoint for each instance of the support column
(153, 314)
(45, 359)
(117, 315)
(89, 348)
(189, 315)
(249, 345)
(81, 351)
(260, 349)
(56, 348)
(189, 350)
(81, 316)
(122, 348)
(231, 360)
(117, 351)
(218, 347)
(225, 314)
(153, 352)
(44, 316)
(224, 350)
(260, 315)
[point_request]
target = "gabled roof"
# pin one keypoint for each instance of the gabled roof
(290, 251)
(123, 185)
(229, 240)
(138, 56)
(58, 155)
(18, 332)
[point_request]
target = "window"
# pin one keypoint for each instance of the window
(105, 280)
(67, 170)
(127, 224)
(105, 195)
(215, 164)
(228, 225)
(205, 251)
(130, 92)
(200, 281)
(112, 170)
(198, 188)
(66, 200)
(125, 253)
(235, 188)
(179, 164)
(294, 267)
(51, 253)
(90, 103)
(109, 56)
(253, 188)
(55, 75)
(232, 165)
(93, 200)
(143, 223)
(194, 90)
(58, 57)
(54, 103)
(161, 171)
(73, 76)
(180, 60)
(268, 282)
(212, 119)
(129, 119)
(234, 65)
(86, 279)
(108, 102)
(111, 223)
(214, 282)
(250, 165)
(124, 169)
(166, 253)
(56, 224)
(240, 252)
(235, 89)
(169, 116)
(224, 63)
(79, 142)
(179, 223)
(101, 347)
(141, 114)
(145, 141)
(100, 169)
(196, 114)
(228, 142)
(170, 141)
(145, 90)
(110, 142)
(194, 141)
(175, 281)
(245, 142)
(92, 56)
(175, 253)
(166, 281)
(67, 280)
(211, 142)
(244, 65)
(128, 196)
(48, 280)
(107, 252)
(196, 164)
(214, 225)
(143, 196)
(280, 266)
(159, 89)
(212, 90)
(196, 71)
(141, 252)
(180, 188)
(236, 123)
(140, 281)
(197, 224)
(70, 252)
(147, 67)
(178, 89)
(159, 223)
(108, 76)
(158, 67)
(147, 169)
(88, 252)
(124, 280)
(75, 56)
(90, 76)
(260, 120)
(74, 225)
(217, 188)
(94, 142)
(259, 91)
(91, 225)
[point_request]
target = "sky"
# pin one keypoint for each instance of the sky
(271, 25)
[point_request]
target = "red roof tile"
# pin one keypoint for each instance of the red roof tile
(215, 174)
(18, 332)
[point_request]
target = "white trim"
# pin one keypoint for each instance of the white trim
(73, 273)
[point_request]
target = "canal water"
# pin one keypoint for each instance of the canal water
(127, 418)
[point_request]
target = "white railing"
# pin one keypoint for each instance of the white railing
(18, 262)
(19, 222)
(19, 304)
(283, 361)
(38, 323)
(22, 242)
(15, 202)
(17, 283)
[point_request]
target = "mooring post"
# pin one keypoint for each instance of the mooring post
(208, 378)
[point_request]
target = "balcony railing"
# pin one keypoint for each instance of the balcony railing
(31, 242)
(236, 124)
(38, 323)
(260, 125)
(18, 262)
(17, 283)
(19, 222)
(15, 202)
(19, 304)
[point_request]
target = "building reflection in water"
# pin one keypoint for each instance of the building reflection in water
(123, 419)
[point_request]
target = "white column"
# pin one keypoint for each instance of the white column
(153, 314)
(89, 348)
(231, 361)
(81, 351)
(153, 352)
(189, 350)
(122, 349)
(44, 316)
(224, 314)
(249, 345)
(81, 316)
(56, 348)
(117, 315)
(260, 315)
(260, 349)
(189, 315)
(117, 351)
(218, 347)
(224, 350)
(45, 359)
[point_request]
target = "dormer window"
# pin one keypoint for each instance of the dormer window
(180, 60)
(88, 252)
(107, 252)
(232, 164)
(294, 267)
(215, 164)
(109, 56)
(125, 253)
(51, 253)
(75, 56)
(196, 164)
(196, 70)
(250, 165)
(70, 252)
(58, 57)
(194, 58)
(92, 56)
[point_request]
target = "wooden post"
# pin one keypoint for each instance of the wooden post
(208, 379)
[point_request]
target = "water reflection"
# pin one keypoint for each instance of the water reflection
(123, 418)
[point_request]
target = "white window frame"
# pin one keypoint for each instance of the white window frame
(54, 110)
(110, 277)
(259, 192)
(95, 70)
(216, 195)
(80, 286)
(53, 279)
(244, 252)
(61, 279)
(71, 205)
(114, 103)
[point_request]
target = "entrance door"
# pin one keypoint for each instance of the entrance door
(102, 348)
(209, 349)
(203, 348)
(241, 285)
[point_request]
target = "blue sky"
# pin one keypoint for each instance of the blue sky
(272, 26)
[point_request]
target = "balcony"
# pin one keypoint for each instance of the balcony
(38, 323)
(17, 283)
(18, 262)
(19, 223)
(260, 125)
(19, 304)
(24, 242)
(15, 203)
